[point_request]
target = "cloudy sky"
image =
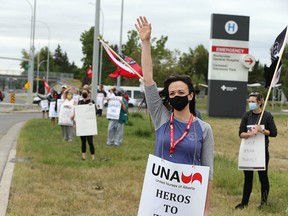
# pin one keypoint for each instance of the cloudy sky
(185, 22)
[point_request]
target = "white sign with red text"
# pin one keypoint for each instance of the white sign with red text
(225, 60)
(173, 189)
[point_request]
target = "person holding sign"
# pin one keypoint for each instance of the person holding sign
(181, 137)
(66, 115)
(117, 118)
(89, 138)
(249, 118)
(45, 103)
(100, 99)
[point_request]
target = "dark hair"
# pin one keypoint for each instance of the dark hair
(258, 96)
(164, 94)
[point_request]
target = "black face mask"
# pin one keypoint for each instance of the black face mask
(179, 102)
(84, 95)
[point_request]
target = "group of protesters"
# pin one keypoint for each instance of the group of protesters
(60, 108)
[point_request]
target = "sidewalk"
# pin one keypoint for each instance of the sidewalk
(7, 153)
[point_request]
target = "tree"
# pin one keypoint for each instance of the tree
(284, 71)
(164, 60)
(195, 64)
(24, 64)
(200, 63)
(87, 47)
(61, 61)
(58, 62)
(256, 75)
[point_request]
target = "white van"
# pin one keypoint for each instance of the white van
(136, 94)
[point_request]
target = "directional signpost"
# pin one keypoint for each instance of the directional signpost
(229, 62)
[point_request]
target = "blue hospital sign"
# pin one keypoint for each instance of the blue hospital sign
(227, 76)
(231, 27)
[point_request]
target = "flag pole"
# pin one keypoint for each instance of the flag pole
(122, 60)
(274, 75)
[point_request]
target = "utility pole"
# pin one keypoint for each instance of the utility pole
(95, 65)
(31, 59)
(120, 42)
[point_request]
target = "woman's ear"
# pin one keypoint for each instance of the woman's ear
(190, 96)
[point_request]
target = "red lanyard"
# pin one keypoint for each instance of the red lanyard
(172, 143)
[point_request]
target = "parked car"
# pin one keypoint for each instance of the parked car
(36, 100)
(2, 95)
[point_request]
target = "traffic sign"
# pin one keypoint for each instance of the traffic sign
(248, 61)
(27, 85)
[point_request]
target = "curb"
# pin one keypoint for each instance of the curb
(9, 141)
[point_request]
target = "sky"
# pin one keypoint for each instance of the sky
(187, 24)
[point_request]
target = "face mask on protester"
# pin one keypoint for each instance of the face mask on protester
(179, 102)
(252, 106)
(84, 95)
(69, 96)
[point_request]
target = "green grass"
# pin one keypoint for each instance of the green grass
(271, 106)
(58, 182)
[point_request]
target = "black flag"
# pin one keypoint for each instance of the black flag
(269, 71)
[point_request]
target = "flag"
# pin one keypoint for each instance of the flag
(89, 72)
(269, 72)
(278, 45)
(46, 85)
(122, 69)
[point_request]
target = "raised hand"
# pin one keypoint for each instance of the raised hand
(143, 28)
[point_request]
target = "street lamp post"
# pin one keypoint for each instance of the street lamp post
(95, 66)
(48, 48)
(101, 49)
(31, 22)
(31, 57)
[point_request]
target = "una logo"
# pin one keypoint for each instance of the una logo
(174, 175)
(231, 27)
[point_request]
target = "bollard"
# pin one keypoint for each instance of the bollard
(12, 97)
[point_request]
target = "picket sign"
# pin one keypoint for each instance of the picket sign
(100, 100)
(59, 105)
(52, 112)
(114, 108)
(44, 105)
(66, 113)
(85, 118)
(252, 152)
(173, 189)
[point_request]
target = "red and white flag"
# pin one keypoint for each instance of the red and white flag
(46, 85)
(89, 72)
(122, 69)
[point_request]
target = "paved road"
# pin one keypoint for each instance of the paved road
(7, 120)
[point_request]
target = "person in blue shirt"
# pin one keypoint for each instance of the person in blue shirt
(189, 140)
